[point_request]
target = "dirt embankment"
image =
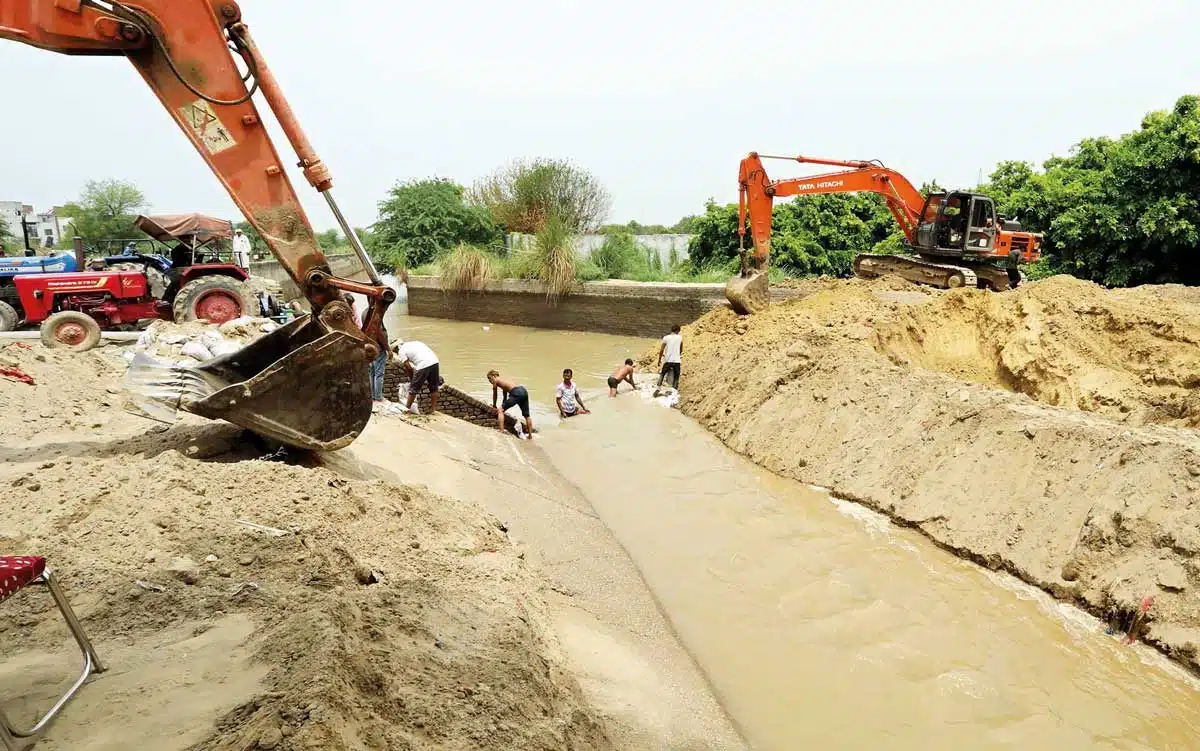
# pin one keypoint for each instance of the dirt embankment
(1047, 431)
(357, 615)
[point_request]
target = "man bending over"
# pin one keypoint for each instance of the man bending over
(623, 373)
(514, 396)
(420, 359)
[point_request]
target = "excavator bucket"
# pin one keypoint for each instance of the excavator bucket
(303, 385)
(749, 294)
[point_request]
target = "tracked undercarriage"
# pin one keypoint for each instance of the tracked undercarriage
(930, 270)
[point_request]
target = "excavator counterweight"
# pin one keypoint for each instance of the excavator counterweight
(305, 384)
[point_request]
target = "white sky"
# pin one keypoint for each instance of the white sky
(660, 99)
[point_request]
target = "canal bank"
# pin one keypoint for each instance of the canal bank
(611, 307)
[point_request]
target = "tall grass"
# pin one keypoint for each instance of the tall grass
(466, 268)
(554, 258)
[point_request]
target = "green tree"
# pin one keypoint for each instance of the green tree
(1118, 211)
(524, 195)
(421, 218)
(106, 210)
(685, 226)
(330, 240)
(809, 235)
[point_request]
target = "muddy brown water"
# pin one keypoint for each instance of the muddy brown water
(818, 623)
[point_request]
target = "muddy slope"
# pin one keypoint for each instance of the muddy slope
(926, 407)
(383, 616)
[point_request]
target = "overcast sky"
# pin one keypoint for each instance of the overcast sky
(658, 98)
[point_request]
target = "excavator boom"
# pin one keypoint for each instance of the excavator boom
(306, 384)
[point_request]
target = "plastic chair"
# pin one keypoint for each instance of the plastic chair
(16, 573)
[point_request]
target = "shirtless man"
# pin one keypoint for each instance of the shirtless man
(623, 373)
(514, 396)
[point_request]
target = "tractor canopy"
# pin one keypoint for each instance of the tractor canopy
(191, 229)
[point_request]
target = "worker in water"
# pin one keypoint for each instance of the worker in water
(514, 396)
(568, 398)
(623, 373)
(419, 359)
(241, 249)
(670, 356)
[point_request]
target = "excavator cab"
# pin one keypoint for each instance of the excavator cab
(957, 224)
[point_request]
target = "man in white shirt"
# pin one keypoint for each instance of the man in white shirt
(567, 397)
(426, 371)
(241, 249)
(670, 355)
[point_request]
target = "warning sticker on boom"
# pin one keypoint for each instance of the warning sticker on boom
(203, 121)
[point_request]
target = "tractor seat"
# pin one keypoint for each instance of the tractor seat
(17, 572)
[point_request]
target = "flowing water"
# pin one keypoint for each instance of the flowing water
(818, 623)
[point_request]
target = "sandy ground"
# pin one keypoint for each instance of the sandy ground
(381, 616)
(630, 664)
(1047, 431)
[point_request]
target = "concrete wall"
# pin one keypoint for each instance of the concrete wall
(612, 307)
(585, 244)
(345, 265)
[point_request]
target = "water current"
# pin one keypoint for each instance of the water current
(818, 623)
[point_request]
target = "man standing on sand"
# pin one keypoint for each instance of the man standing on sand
(670, 355)
(426, 370)
(567, 397)
(623, 373)
(514, 396)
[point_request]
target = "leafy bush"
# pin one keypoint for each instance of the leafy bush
(422, 218)
(524, 195)
(619, 254)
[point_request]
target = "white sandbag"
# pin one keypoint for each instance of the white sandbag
(225, 347)
(197, 350)
(244, 326)
(211, 339)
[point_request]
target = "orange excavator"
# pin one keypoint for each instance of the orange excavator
(305, 384)
(954, 239)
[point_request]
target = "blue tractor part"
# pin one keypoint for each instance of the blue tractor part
(157, 261)
(10, 267)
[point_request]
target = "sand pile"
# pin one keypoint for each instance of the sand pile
(1129, 354)
(1090, 505)
(381, 616)
(65, 397)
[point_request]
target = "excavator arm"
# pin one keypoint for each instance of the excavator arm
(757, 193)
(306, 384)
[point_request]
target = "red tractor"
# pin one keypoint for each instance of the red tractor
(74, 307)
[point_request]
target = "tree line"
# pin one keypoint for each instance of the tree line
(1118, 211)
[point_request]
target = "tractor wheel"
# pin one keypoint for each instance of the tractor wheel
(216, 299)
(9, 318)
(70, 329)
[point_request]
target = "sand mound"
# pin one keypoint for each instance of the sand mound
(1130, 354)
(379, 616)
(65, 396)
(890, 399)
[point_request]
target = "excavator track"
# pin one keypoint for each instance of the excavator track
(916, 270)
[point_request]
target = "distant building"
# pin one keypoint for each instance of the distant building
(45, 228)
